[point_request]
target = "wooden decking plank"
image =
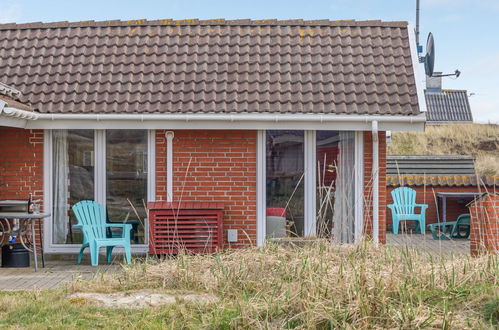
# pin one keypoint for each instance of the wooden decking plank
(54, 281)
(426, 243)
(55, 274)
(19, 280)
(46, 279)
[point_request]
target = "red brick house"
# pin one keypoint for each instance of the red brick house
(254, 114)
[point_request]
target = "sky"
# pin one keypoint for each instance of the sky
(466, 32)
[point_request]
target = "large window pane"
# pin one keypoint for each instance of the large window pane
(335, 185)
(327, 164)
(285, 184)
(126, 179)
(73, 178)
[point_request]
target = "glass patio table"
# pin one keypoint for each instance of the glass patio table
(22, 226)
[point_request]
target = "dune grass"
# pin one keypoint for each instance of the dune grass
(316, 286)
(478, 140)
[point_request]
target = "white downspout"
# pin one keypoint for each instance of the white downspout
(375, 174)
(169, 166)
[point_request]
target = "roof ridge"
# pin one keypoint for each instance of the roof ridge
(220, 21)
(445, 90)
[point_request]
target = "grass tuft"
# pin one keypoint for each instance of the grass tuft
(318, 285)
(478, 140)
(491, 310)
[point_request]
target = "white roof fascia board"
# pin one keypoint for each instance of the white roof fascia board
(416, 68)
(8, 120)
(12, 122)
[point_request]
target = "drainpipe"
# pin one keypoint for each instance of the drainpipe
(169, 166)
(375, 174)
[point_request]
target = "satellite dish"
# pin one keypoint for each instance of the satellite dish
(429, 59)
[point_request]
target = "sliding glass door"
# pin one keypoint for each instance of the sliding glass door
(78, 156)
(126, 179)
(73, 180)
(310, 184)
(335, 160)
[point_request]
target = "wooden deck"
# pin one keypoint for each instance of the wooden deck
(55, 274)
(426, 243)
(64, 270)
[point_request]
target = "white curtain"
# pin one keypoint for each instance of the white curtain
(60, 213)
(344, 214)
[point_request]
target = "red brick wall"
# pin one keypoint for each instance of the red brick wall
(213, 154)
(368, 184)
(485, 225)
(214, 165)
(21, 163)
(428, 195)
(206, 157)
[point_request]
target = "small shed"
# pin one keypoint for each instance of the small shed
(447, 183)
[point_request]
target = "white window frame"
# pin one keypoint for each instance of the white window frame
(310, 181)
(310, 184)
(261, 186)
(359, 186)
(99, 187)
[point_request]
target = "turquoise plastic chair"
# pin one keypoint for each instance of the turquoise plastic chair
(452, 229)
(403, 209)
(91, 218)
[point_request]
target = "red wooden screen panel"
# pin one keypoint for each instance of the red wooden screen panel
(192, 227)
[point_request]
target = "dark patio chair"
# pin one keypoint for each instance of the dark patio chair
(451, 229)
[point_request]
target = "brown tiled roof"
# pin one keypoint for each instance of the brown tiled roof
(441, 180)
(215, 66)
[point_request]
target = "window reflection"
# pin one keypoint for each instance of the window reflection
(335, 152)
(327, 165)
(126, 184)
(285, 184)
(73, 178)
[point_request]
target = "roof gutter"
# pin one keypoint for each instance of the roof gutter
(309, 121)
(264, 117)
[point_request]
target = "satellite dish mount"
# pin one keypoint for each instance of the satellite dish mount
(429, 58)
